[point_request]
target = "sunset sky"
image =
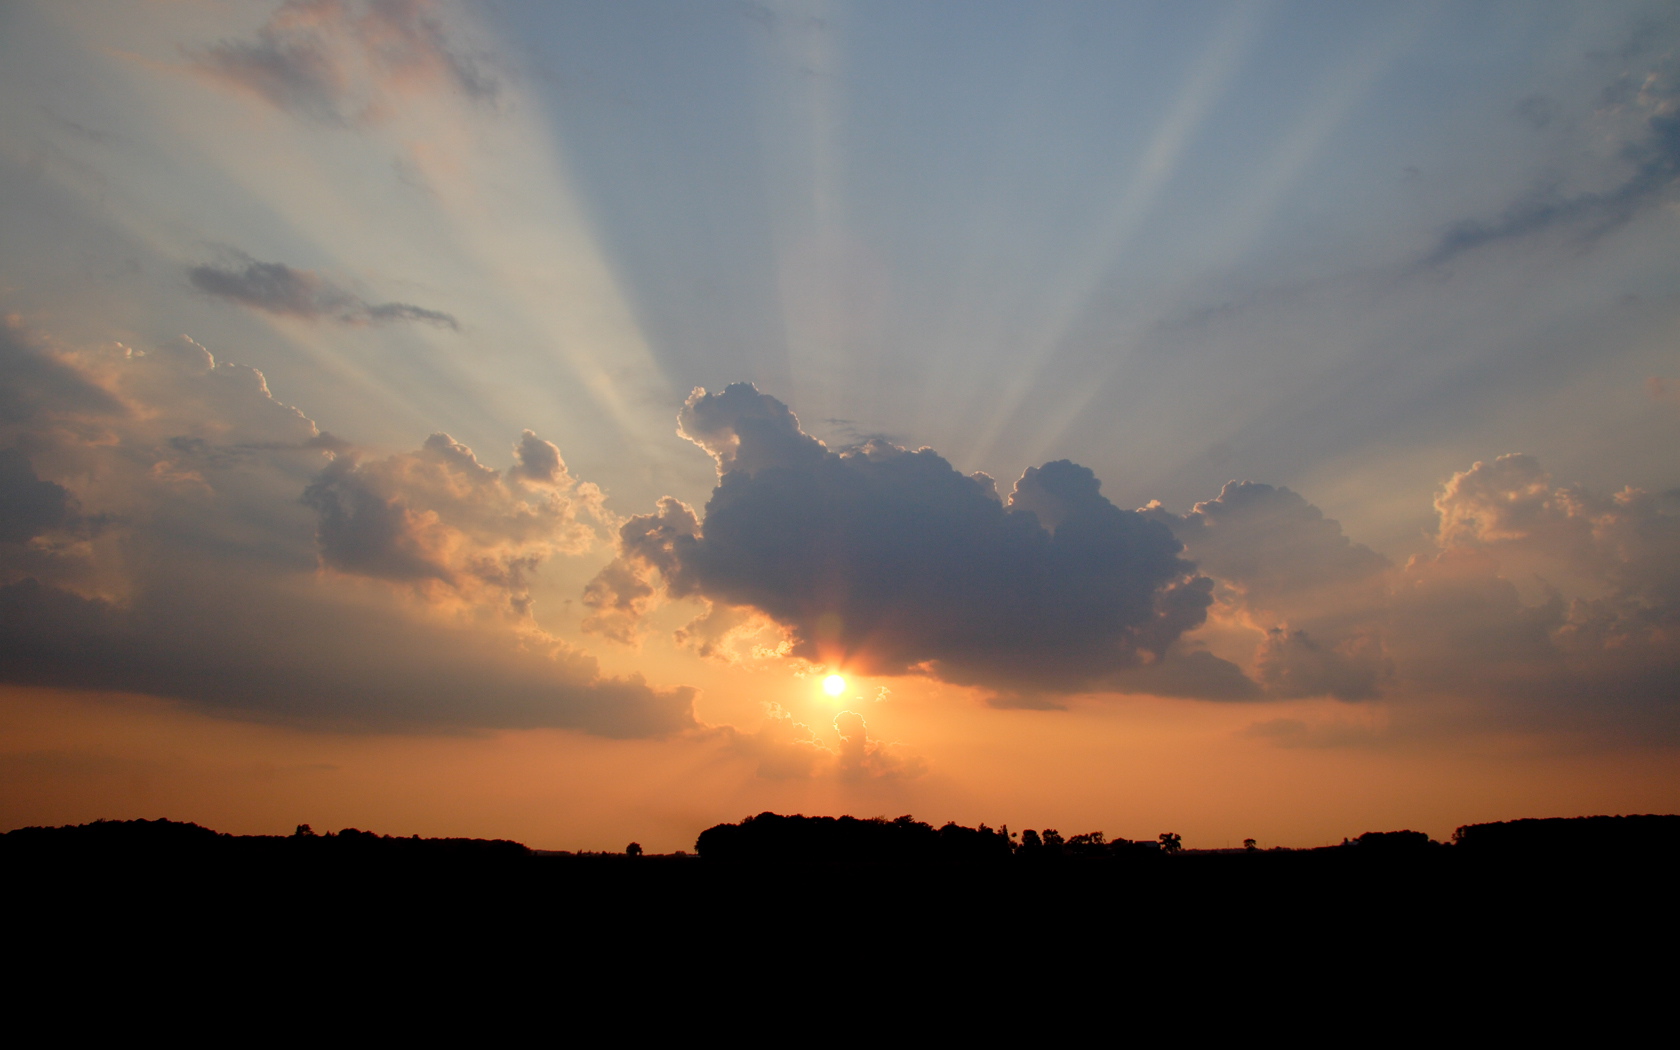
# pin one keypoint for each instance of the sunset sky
(1237, 419)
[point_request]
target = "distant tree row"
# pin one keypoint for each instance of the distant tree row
(801, 838)
(798, 837)
(177, 838)
(772, 836)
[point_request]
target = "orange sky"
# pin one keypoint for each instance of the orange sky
(1132, 770)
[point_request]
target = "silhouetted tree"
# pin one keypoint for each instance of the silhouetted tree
(304, 831)
(1170, 842)
(1030, 842)
(1250, 845)
(1090, 844)
(634, 849)
(1393, 841)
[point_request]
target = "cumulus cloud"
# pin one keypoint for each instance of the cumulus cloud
(206, 583)
(438, 515)
(1289, 573)
(279, 289)
(1540, 604)
(785, 749)
(889, 561)
(346, 63)
(1604, 622)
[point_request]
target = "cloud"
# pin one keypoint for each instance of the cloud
(786, 749)
(279, 289)
(217, 582)
(39, 382)
(1293, 664)
(1605, 621)
(28, 505)
(888, 561)
(1272, 545)
(345, 63)
(861, 758)
(1650, 159)
(438, 515)
(1541, 605)
(1289, 573)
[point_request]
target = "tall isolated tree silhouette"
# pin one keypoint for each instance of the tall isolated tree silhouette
(1171, 842)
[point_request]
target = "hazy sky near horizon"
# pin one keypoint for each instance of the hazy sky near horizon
(1258, 418)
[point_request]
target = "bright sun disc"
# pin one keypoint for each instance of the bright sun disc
(834, 685)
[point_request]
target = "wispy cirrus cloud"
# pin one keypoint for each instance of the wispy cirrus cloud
(346, 63)
(1649, 157)
(276, 288)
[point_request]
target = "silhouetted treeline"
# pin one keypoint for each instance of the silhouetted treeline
(773, 836)
(1642, 834)
(867, 894)
(796, 837)
(168, 838)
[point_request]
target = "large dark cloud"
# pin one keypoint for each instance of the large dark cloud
(279, 289)
(889, 560)
(341, 62)
(1539, 606)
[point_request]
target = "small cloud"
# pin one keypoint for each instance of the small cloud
(861, 758)
(787, 749)
(345, 63)
(280, 289)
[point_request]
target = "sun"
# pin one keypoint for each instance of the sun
(834, 685)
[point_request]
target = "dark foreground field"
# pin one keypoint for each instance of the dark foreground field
(1534, 912)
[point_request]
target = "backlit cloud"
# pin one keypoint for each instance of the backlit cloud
(1535, 598)
(888, 560)
(787, 749)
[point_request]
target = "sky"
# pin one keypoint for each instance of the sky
(502, 419)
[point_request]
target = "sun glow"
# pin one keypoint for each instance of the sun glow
(834, 685)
